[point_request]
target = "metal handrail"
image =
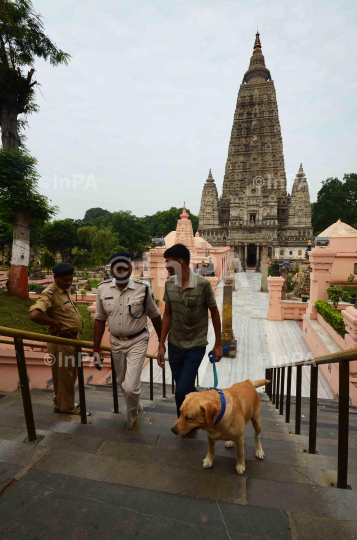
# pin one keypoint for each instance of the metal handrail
(275, 391)
(349, 355)
(19, 344)
(12, 332)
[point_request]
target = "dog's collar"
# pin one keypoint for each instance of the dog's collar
(223, 405)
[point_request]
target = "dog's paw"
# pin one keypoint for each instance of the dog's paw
(260, 454)
(229, 444)
(240, 469)
(207, 463)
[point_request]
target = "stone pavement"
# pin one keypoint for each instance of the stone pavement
(261, 343)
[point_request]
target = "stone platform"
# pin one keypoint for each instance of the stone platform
(99, 481)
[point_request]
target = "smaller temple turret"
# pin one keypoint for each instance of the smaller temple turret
(208, 216)
(184, 231)
(300, 207)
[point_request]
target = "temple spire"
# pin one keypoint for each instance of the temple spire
(257, 44)
(184, 214)
(257, 68)
(210, 177)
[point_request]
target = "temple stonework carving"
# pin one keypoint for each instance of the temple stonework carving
(255, 210)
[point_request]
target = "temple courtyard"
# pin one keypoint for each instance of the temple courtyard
(261, 343)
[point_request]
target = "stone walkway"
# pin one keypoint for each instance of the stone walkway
(261, 343)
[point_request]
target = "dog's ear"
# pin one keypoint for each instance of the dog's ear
(210, 410)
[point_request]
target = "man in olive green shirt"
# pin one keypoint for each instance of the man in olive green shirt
(188, 297)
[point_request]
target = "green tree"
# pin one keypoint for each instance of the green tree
(82, 256)
(94, 213)
(104, 242)
(132, 231)
(336, 200)
(163, 222)
(47, 260)
(60, 236)
(22, 39)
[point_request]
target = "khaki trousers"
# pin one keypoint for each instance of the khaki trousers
(129, 356)
(64, 374)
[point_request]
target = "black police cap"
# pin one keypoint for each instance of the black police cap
(120, 256)
(63, 269)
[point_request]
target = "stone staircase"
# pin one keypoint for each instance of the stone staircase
(101, 481)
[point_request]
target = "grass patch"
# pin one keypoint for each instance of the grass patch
(15, 311)
(94, 284)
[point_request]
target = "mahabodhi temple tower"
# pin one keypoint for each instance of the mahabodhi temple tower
(255, 211)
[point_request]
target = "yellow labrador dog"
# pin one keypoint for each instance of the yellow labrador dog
(201, 410)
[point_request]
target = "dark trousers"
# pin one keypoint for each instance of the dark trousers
(184, 365)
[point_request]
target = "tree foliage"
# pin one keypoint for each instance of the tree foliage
(132, 231)
(163, 222)
(22, 40)
(60, 236)
(104, 242)
(5, 234)
(336, 200)
(18, 188)
(94, 213)
(47, 260)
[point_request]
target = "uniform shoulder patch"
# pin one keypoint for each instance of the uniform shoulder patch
(141, 282)
(105, 281)
(50, 289)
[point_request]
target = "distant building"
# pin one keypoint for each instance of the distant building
(255, 210)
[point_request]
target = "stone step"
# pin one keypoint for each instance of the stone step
(70, 504)
(156, 477)
(186, 477)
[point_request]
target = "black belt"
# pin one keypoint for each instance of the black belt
(132, 336)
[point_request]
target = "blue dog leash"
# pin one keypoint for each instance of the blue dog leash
(212, 359)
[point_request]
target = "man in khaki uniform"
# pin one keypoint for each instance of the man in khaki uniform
(56, 309)
(126, 302)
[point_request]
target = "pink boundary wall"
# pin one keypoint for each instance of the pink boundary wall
(319, 348)
(322, 260)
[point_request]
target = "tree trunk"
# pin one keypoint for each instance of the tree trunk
(18, 279)
(9, 134)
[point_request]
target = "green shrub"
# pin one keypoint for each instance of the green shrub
(351, 278)
(33, 287)
(290, 284)
(332, 316)
(335, 293)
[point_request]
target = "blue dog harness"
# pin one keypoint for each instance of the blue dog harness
(223, 405)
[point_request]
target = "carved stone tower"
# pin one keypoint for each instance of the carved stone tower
(208, 215)
(255, 209)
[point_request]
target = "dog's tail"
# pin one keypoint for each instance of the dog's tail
(259, 383)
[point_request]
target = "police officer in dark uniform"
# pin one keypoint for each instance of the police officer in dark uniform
(56, 309)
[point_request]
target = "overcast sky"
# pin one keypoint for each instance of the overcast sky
(146, 105)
